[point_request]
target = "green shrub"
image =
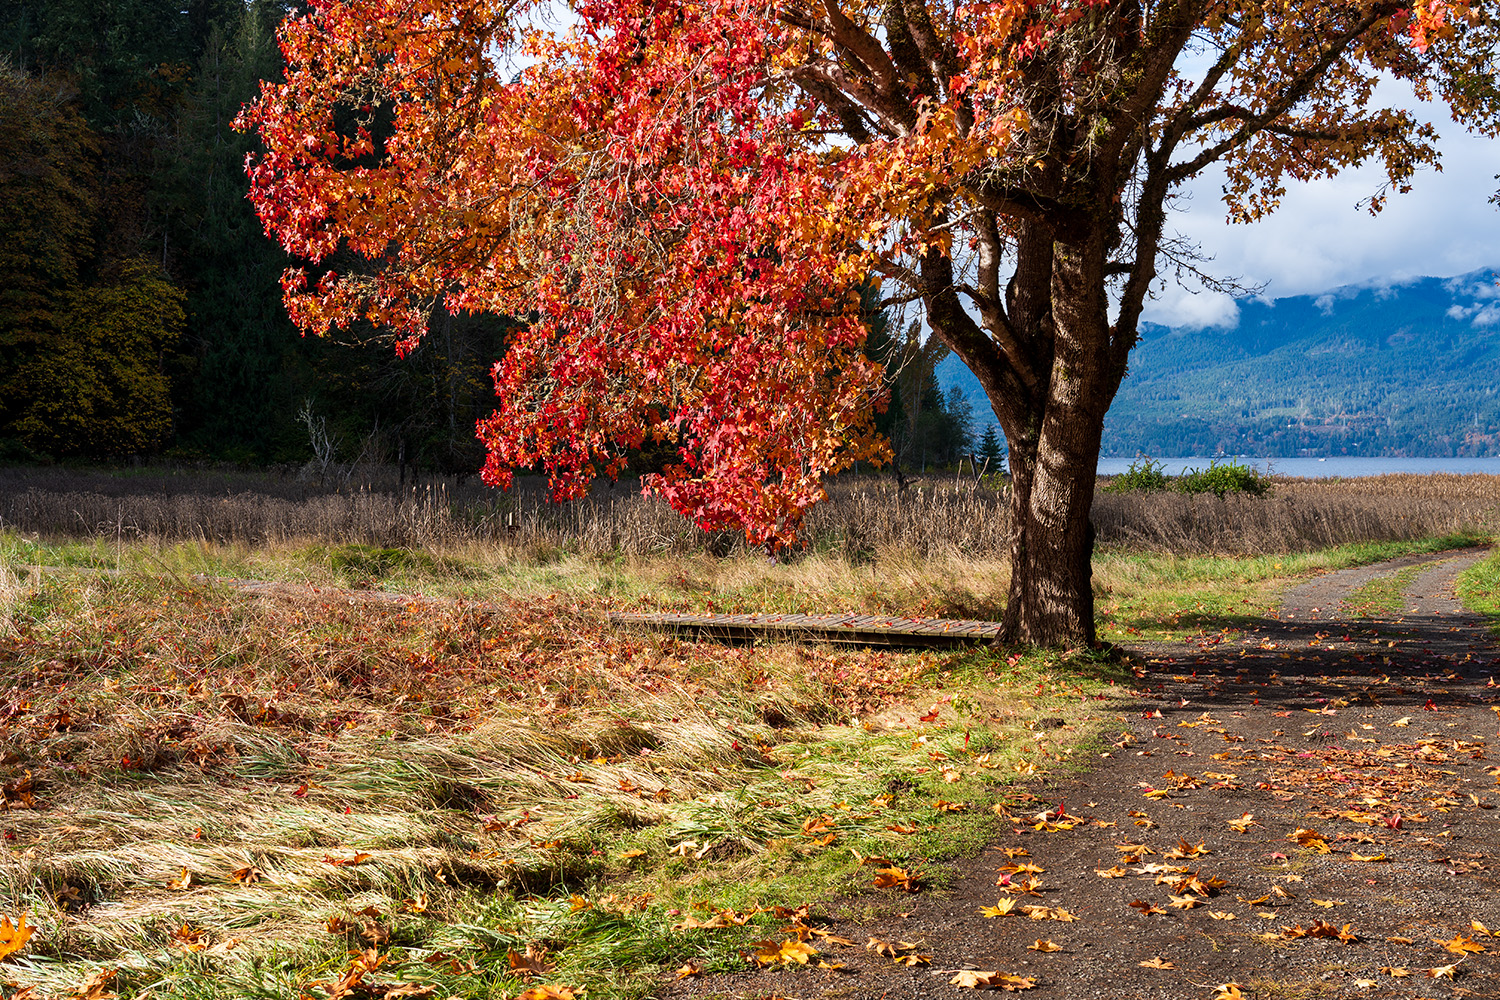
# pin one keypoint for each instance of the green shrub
(1219, 479)
(1143, 475)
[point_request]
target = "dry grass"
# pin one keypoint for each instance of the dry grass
(489, 762)
(864, 516)
(494, 760)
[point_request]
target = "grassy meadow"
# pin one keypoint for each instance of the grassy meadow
(484, 789)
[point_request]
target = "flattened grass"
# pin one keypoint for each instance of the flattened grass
(223, 795)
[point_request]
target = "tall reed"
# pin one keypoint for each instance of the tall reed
(862, 515)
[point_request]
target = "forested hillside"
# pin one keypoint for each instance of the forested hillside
(1411, 368)
(1402, 369)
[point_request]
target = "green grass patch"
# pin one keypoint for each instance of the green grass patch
(1479, 588)
(1383, 596)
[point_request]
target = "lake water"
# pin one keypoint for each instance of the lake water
(1321, 468)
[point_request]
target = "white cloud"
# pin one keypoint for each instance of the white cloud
(1186, 308)
(1488, 316)
(1321, 239)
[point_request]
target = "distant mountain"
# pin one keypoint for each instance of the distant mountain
(1409, 368)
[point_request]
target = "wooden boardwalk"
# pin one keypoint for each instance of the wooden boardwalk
(850, 629)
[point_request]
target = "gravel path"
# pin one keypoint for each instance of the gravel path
(1301, 810)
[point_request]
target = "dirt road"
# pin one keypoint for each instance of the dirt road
(1303, 809)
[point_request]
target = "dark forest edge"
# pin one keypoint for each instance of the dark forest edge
(140, 300)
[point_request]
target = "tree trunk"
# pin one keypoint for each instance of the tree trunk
(1051, 596)
(1053, 468)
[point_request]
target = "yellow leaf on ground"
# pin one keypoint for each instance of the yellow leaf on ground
(886, 878)
(1443, 971)
(1156, 963)
(1228, 991)
(1186, 850)
(1221, 915)
(992, 981)
(13, 936)
(788, 952)
(1001, 908)
(548, 992)
(1460, 945)
(1041, 945)
(1114, 872)
(531, 962)
(1367, 857)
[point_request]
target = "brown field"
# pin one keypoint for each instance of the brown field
(864, 515)
(216, 795)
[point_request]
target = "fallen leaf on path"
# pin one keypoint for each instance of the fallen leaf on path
(1310, 839)
(1228, 991)
(1114, 872)
(1041, 945)
(1156, 963)
(1443, 971)
(1146, 908)
(1460, 945)
(1186, 850)
(1001, 908)
(1396, 971)
(885, 878)
(788, 952)
(1221, 915)
(992, 981)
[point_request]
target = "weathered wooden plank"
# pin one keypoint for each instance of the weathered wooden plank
(846, 627)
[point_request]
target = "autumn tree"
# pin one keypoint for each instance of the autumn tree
(684, 199)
